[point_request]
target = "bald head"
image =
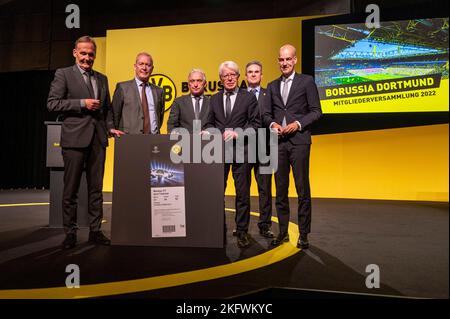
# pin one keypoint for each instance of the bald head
(289, 48)
(287, 59)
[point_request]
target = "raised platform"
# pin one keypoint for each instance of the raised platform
(407, 240)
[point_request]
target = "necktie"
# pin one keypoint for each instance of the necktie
(228, 104)
(197, 107)
(285, 92)
(146, 127)
(89, 85)
(284, 96)
(253, 91)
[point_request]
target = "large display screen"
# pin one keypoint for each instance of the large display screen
(402, 66)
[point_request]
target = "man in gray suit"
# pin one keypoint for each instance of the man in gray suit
(194, 106)
(138, 106)
(81, 96)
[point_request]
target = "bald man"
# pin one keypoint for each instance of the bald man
(294, 106)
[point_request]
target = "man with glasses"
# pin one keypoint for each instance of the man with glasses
(233, 108)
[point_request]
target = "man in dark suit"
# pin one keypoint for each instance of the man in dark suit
(81, 95)
(253, 75)
(138, 106)
(231, 109)
(188, 108)
(294, 106)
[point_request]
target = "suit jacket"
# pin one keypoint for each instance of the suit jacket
(303, 105)
(262, 100)
(127, 112)
(182, 113)
(79, 124)
(244, 113)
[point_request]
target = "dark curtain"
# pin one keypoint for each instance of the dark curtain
(23, 100)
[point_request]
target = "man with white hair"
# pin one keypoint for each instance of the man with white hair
(233, 108)
(188, 108)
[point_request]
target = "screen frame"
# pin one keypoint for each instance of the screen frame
(351, 122)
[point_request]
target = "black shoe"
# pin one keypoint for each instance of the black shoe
(303, 242)
(266, 232)
(243, 240)
(234, 232)
(70, 241)
(281, 238)
(97, 237)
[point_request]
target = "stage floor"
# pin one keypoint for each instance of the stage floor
(409, 241)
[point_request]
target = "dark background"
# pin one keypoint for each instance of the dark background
(34, 42)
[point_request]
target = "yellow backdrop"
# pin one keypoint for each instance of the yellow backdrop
(401, 164)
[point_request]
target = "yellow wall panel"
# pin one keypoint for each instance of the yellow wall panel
(398, 164)
(405, 163)
(100, 58)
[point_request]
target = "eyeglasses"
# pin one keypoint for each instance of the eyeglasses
(230, 75)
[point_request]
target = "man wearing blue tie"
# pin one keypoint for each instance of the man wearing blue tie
(253, 75)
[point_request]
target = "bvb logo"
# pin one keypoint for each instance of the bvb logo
(170, 91)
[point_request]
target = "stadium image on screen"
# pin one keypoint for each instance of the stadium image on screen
(354, 57)
(348, 54)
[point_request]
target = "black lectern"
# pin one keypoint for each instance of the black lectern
(157, 202)
(55, 162)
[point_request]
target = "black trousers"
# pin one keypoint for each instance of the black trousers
(264, 182)
(242, 179)
(297, 157)
(92, 160)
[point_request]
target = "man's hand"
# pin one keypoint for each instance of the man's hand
(277, 128)
(116, 133)
(92, 104)
(291, 128)
(229, 135)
